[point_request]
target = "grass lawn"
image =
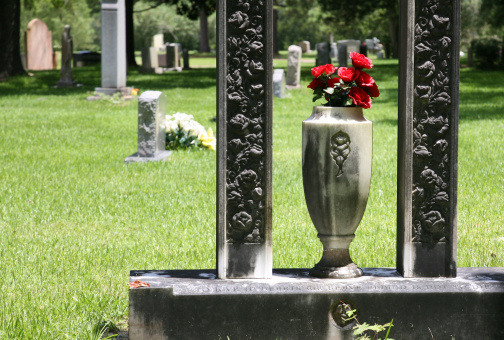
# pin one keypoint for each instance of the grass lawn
(74, 219)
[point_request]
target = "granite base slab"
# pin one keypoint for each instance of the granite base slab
(125, 91)
(193, 304)
(134, 158)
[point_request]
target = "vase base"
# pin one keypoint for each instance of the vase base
(347, 272)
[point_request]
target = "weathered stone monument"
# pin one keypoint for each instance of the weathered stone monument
(428, 136)
(172, 57)
(294, 67)
(245, 298)
(151, 128)
(342, 55)
(66, 79)
(150, 61)
(279, 83)
(185, 57)
(305, 46)
(158, 42)
(38, 46)
(113, 56)
(323, 54)
(351, 46)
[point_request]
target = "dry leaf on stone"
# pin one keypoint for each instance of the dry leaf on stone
(138, 284)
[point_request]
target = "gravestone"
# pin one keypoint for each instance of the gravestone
(66, 79)
(158, 42)
(323, 54)
(294, 67)
(113, 56)
(379, 55)
(185, 55)
(38, 46)
(279, 83)
(151, 128)
(370, 45)
(428, 136)
(334, 50)
(172, 57)
(201, 304)
(363, 49)
(351, 46)
(305, 46)
(244, 149)
(150, 61)
(342, 55)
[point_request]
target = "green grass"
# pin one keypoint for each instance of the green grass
(74, 219)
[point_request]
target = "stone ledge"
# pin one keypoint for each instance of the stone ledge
(134, 158)
(193, 304)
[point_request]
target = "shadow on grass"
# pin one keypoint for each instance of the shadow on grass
(43, 82)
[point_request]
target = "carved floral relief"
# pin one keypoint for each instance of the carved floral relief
(246, 83)
(431, 122)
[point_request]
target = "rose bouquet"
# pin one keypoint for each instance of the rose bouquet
(182, 132)
(345, 86)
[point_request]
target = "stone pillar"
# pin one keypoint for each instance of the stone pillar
(294, 66)
(323, 54)
(66, 79)
(428, 138)
(342, 55)
(113, 56)
(150, 62)
(185, 57)
(151, 128)
(172, 56)
(244, 150)
(279, 83)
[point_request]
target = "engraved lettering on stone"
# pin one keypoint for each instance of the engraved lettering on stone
(340, 149)
(246, 81)
(431, 125)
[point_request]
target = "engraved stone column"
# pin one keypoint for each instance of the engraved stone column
(151, 128)
(244, 151)
(428, 138)
(113, 57)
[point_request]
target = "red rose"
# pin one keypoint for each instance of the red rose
(329, 69)
(364, 79)
(372, 90)
(360, 97)
(360, 60)
(316, 83)
(332, 81)
(319, 70)
(348, 74)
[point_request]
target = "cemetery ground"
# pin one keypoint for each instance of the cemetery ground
(74, 219)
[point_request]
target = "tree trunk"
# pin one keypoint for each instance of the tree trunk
(10, 55)
(204, 46)
(130, 34)
(394, 34)
(275, 30)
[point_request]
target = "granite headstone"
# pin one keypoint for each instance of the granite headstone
(279, 83)
(38, 46)
(294, 66)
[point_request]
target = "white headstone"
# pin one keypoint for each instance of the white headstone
(279, 83)
(151, 128)
(158, 42)
(305, 46)
(294, 66)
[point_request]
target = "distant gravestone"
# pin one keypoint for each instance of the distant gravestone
(185, 55)
(363, 49)
(113, 56)
(294, 66)
(150, 60)
(334, 50)
(342, 55)
(279, 83)
(66, 79)
(351, 46)
(151, 128)
(323, 54)
(38, 45)
(172, 56)
(305, 46)
(370, 45)
(158, 42)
